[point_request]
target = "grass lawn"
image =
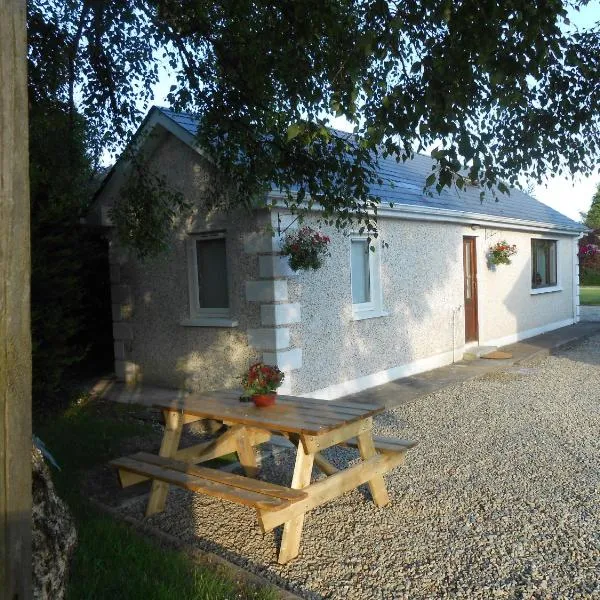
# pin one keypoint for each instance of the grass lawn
(589, 295)
(112, 560)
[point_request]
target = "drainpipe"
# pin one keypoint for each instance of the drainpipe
(455, 311)
(576, 309)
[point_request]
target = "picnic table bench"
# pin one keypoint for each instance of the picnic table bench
(311, 425)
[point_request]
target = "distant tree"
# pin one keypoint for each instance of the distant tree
(589, 244)
(499, 89)
(592, 217)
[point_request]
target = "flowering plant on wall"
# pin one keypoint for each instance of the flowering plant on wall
(501, 252)
(588, 250)
(305, 248)
(262, 379)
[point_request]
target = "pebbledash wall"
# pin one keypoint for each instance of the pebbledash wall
(304, 322)
(422, 290)
(156, 338)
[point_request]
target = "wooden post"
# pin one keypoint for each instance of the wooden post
(15, 328)
(292, 529)
(168, 449)
(246, 455)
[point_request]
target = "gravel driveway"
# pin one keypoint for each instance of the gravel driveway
(501, 499)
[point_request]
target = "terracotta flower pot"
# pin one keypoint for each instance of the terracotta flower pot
(262, 400)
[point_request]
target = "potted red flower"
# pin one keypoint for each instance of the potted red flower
(261, 383)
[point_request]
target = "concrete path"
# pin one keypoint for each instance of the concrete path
(395, 392)
(401, 391)
(589, 313)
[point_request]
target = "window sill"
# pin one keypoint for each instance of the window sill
(209, 322)
(369, 314)
(546, 290)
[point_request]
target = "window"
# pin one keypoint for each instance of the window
(208, 280)
(364, 278)
(211, 269)
(543, 264)
(361, 279)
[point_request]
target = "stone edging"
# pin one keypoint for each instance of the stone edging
(201, 557)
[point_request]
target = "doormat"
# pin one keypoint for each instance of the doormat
(498, 354)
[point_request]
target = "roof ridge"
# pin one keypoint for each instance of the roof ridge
(408, 175)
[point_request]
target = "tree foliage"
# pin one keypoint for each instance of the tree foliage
(499, 89)
(145, 211)
(65, 299)
(592, 217)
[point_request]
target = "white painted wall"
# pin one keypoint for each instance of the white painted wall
(304, 322)
(506, 303)
(422, 279)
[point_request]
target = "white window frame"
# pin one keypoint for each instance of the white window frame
(199, 316)
(550, 288)
(374, 308)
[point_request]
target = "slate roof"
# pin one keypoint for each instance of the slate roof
(188, 122)
(404, 182)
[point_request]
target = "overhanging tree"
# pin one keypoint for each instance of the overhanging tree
(501, 90)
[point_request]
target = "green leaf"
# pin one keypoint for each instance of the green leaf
(503, 188)
(294, 131)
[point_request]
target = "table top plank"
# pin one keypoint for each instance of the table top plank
(274, 418)
(291, 415)
(320, 410)
(351, 407)
(305, 414)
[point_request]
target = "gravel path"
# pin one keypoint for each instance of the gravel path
(501, 499)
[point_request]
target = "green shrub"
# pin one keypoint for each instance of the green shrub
(66, 316)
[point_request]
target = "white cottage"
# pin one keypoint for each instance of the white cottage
(223, 297)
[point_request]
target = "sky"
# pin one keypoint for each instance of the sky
(569, 196)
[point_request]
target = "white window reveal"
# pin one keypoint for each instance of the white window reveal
(544, 270)
(208, 280)
(365, 278)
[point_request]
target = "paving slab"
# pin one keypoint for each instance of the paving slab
(408, 389)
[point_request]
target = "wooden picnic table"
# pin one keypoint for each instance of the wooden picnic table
(311, 425)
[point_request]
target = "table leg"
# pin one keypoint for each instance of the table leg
(366, 447)
(292, 530)
(245, 452)
(168, 448)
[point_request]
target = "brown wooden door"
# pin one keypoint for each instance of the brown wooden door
(470, 270)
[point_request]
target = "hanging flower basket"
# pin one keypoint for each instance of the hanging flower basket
(501, 252)
(305, 248)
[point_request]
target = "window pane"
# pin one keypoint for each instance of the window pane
(541, 265)
(552, 263)
(360, 276)
(212, 273)
(467, 267)
(543, 261)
